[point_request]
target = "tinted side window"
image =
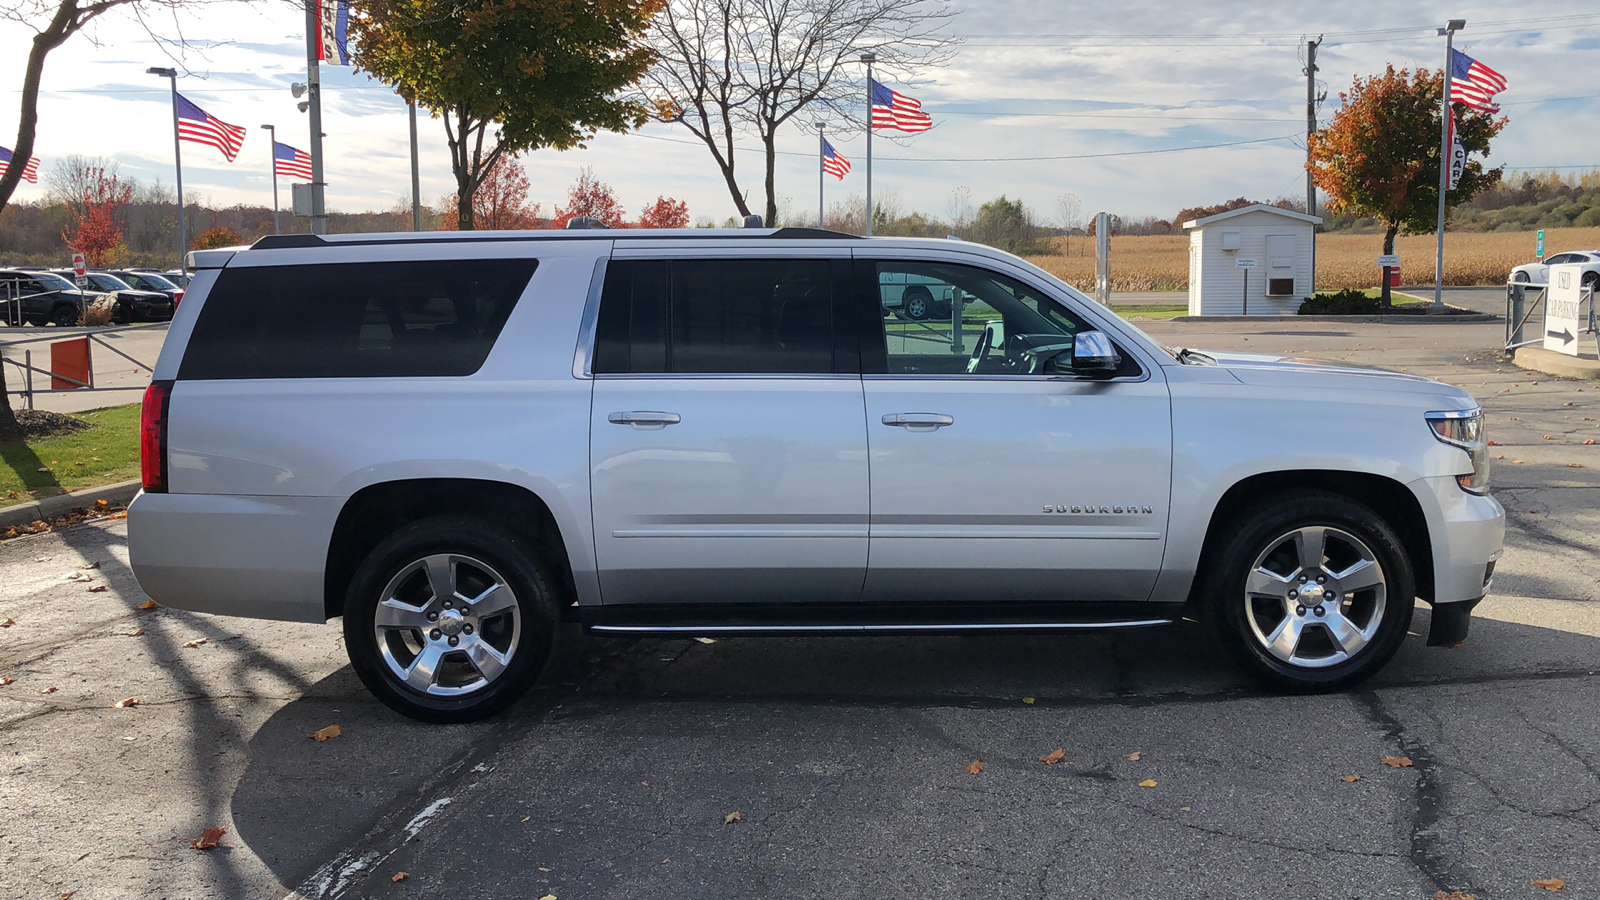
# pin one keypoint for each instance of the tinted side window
(421, 318)
(729, 316)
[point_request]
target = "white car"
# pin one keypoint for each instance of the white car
(1539, 272)
(455, 441)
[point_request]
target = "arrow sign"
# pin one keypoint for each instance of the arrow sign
(1566, 337)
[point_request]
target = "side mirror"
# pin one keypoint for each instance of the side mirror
(1093, 354)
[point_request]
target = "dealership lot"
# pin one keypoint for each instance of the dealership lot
(844, 758)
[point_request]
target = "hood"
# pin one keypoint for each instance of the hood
(1293, 371)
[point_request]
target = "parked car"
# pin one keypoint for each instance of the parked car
(454, 443)
(36, 297)
(177, 277)
(1539, 272)
(132, 305)
(151, 280)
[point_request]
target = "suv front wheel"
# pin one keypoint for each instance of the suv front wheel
(1312, 592)
(450, 619)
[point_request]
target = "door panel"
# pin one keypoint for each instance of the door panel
(757, 494)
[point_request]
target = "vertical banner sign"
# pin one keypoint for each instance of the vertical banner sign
(335, 17)
(1458, 155)
(1538, 245)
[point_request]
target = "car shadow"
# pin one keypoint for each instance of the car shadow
(301, 804)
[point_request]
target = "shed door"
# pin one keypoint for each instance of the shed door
(1281, 258)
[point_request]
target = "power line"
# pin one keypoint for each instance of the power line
(910, 159)
(1152, 115)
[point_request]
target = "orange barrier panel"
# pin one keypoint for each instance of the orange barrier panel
(69, 358)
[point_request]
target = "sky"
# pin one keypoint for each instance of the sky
(1128, 99)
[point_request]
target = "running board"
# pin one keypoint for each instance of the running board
(875, 618)
(894, 628)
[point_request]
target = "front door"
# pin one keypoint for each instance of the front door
(727, 446)
(994, 480)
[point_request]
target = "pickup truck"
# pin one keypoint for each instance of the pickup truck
(458, 442)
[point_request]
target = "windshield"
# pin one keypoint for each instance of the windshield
(156, 281)
(107, 282)
(54, 282)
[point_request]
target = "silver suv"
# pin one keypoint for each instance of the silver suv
(456, 442)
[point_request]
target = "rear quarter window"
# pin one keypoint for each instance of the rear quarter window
(341, 320)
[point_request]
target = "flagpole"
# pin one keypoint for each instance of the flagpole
(1449, 32)
(177, 155)
(272, 133)
(822, 161)
(869, 58)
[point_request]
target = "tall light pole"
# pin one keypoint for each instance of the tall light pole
(272, 134)
(319, 211)
(177, 155)
(822, 155)
(1311, 129)
(416, 172)
(1448, 32)
(869, 59)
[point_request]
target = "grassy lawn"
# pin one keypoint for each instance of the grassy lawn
(1151, 310)
(1397, 296)
(105, 454)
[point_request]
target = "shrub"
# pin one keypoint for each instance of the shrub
(1348, 302)
(99, 312)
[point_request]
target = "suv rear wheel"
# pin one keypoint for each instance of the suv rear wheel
(1313, 592)
(450, 619)
(64, 315)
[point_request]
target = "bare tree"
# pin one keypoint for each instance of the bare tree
(1069, 212)
(728, 68)
(67, 180)
(958, 209)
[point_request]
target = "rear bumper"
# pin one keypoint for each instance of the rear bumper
(1468, 534)
(259, 557)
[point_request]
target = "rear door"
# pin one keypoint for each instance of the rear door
(727, 446)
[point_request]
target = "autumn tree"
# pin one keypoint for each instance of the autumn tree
(216, 237)
(589, 196)
(500, 202)
(732, 68)
(1379, 157)
(96, 231)
(665, 213)
(508, 75)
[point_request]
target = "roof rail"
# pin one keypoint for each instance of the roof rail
(814, 233)
(287, 242)
(301, 241)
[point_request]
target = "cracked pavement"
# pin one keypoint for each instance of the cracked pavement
(843, 756)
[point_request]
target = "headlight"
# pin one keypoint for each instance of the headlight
(1464, 429)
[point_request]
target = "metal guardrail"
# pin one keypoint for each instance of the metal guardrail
(1519, 310)
(27, 391)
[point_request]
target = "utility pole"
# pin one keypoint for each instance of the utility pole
(319, 210)
(1311, 128)
(416, 172)
(272, 138)
(869, 59)
(1448, 32)
(821, 162)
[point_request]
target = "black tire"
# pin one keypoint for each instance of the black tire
(483, 549)
(917, 303)
(65, 316)
(1590, 279)
(1238, 618)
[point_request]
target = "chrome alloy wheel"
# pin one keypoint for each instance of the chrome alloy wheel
(1315, 597)
(447, 625)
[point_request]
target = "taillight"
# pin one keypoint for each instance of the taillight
(153, 436)
(177, 297)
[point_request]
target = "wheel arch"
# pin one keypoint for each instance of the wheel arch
(1390, 499)
(377, 510)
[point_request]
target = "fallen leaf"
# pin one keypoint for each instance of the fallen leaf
(1148, 782)
(1054, 756)
(208, 838)
(118, 515)
(1549, 437)
(706, 640)
(100, 503)
(1350, 779)
(322, 734)
(7, 622)
(1549, 884)
(1453, 895)
(732, 817)
(1494, 443)
(1533, 512)
(1028, 700)
(1135, 756)
(526, 818)
(399, 876)
(1574, 465)
(47, 468)
(974, 767)
(1512, 419)
(6, 679)
(1183, 809)
(1516, 462)
(1398, 762)
(93, 565)
(548, 897)
(1568, 403)
(50, 690)
(136, 632)
(194, 643)
(148, 604)
(544, 868)
(126, 703)
(1587, 441)
(67, 895)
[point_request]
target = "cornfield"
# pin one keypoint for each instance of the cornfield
(1161, 263)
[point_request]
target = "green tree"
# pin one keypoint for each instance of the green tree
(1007, 225)
(1379, 157)
(508, 75)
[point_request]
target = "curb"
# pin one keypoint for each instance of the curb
(120, 493)
(1550, 362)
(1473, 319)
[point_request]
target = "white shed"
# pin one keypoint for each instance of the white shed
(1279, 241)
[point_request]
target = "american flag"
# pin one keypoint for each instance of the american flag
(892, 109)
(833, 162)
(200, 127)
(30, 172)
(286, 160)
(1474, 84)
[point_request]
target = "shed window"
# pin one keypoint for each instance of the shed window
(1280, 287)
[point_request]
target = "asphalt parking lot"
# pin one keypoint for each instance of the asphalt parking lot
(844, 758)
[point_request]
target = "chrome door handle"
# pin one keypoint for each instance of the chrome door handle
(919, 421)
(644, 420)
